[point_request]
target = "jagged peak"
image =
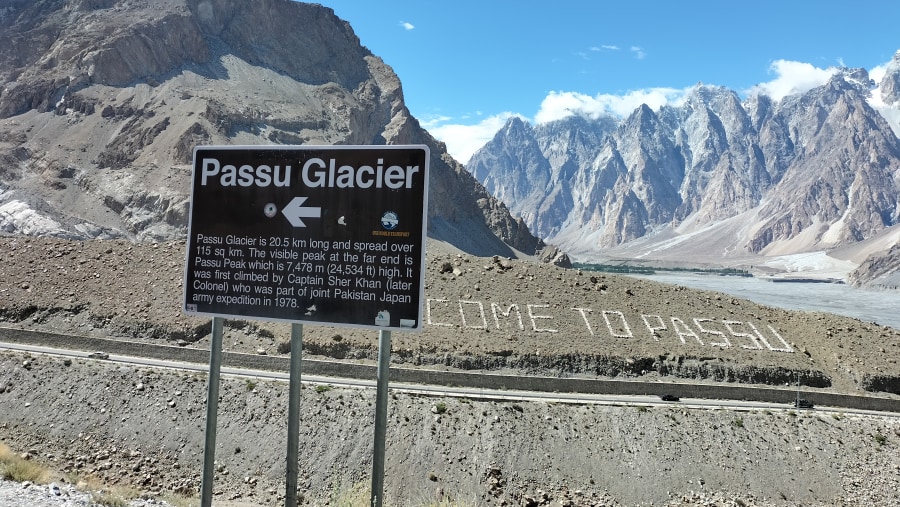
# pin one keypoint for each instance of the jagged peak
(844, 80)
(858, 77)
(642, 116)
(515, 123)
(710, 94)
(516, 128)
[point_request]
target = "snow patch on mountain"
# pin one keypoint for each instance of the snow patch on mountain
(819, 264)
(17, 217)
(890, 112)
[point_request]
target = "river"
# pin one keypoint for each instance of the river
(882, 307)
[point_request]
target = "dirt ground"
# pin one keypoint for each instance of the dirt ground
(145, 427)
(480, 314)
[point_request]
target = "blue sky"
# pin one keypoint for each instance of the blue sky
(467, 66)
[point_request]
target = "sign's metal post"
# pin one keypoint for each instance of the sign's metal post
(212, 412)
(381, 401)
(293, 438)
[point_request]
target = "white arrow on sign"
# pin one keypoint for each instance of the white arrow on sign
(295, 210)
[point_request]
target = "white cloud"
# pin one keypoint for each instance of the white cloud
(559, 105)
(638, 52)
(792, 78)
(406, 26)
(877, 73)
(464, 140)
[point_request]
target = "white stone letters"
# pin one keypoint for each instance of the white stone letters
(462, 314)
(723, 343)
(623, 324)
(682, 330)
(496, 308)
(654, 329)
(728, 325)
(605, 324)
(428, 319)
(535, 318)
(583, 316)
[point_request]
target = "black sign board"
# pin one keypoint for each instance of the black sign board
(321, 234)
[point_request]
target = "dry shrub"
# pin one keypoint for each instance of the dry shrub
(14, 467)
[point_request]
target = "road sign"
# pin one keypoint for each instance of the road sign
(320, 234)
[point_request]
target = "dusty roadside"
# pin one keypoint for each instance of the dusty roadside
(145, 427)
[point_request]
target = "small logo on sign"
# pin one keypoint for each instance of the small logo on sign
(389, 220)
(270, 210)
(383, 318)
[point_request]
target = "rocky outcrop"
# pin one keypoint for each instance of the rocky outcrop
(105, 100)
(890, 83)
(879, 269)
(881, 383)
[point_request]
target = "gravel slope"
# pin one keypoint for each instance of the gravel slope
(145, 428)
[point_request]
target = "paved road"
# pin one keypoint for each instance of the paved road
(431, 390)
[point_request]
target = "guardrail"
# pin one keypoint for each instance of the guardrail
(454, 379)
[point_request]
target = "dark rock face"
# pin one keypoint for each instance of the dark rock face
(115, 94)
(881, 383)
(880, 269)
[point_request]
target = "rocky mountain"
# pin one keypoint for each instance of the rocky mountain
(879, 269)
(890, 84)
(714, 178)
(102, 102)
